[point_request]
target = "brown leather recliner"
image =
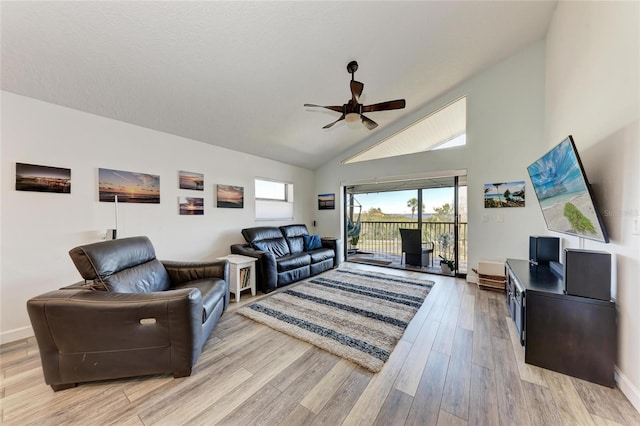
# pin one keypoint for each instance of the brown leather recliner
(135, 315)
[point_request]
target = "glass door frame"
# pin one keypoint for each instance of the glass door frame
(349, 210)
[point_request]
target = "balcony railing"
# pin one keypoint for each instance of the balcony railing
(384, 237)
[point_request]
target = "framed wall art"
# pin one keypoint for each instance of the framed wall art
(504, 194)
(130, 187)
(190, 180)
(326, 201)
(191, 206)
(31, 177)
(229, 197)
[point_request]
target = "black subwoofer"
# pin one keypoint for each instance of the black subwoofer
(587, 273)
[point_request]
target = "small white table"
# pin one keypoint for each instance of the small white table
(243, 274)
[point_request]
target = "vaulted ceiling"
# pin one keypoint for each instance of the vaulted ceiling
(236, 74)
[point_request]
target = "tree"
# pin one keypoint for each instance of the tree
(443, 213)
(413, 205)
(375, 210)
(498, 185)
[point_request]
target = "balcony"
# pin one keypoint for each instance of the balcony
(380, 243)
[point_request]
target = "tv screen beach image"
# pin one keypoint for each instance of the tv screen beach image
(563, 195)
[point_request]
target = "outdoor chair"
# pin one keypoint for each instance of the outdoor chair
(414, 250)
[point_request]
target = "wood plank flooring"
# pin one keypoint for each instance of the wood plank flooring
(458, 363)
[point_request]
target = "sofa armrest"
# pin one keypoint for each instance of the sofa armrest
(246, 250)
(182, 272)
(266, 267)
(334, 244)
(86, 335)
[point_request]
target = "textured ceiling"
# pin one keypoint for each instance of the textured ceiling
(236, 74)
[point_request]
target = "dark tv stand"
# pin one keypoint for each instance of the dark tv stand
(572, 335)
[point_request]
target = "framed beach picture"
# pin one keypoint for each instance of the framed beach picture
(130, 187)
(191, 206)
(326, 201)
(230, 197)
(31, 177)
(190, 180)
(504, 194)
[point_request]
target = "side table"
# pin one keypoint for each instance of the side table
(243, 276)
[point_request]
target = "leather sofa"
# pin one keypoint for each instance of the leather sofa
(133, 315)
(283, 257)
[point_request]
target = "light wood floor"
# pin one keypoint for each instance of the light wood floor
(456, 364)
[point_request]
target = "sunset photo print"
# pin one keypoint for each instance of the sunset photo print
(130, 187)
(230, 197)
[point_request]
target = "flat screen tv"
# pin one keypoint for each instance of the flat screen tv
(564, 194)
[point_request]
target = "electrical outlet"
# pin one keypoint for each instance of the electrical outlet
(499, 218)
(635, 225)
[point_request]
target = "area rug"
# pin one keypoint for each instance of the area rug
(357, 315)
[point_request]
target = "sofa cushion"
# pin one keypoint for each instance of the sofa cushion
(295, 237)
(312, 242)
(212, 290)
(293, 261)
(288, 277)
(277, 246)
(145, 278)
(296, 244)
(320, 255)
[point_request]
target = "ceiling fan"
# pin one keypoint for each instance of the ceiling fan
(352, 110)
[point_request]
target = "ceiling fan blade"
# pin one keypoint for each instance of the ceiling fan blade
(331, 107)
(356, 90)
(384, 106)
(331, 124)
(368, 123)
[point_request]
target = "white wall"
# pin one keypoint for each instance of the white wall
(505, 113)
(593, 93)
(38, 229)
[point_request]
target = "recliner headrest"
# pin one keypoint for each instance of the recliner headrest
(105, 258)
(290, 231)
(260, 233)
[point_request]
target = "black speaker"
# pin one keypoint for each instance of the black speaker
(543, 250)
(587, 273)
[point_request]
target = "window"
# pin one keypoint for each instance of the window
(274, 200)
(442, 129)
(271, 190)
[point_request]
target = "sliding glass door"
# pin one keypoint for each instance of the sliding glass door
(374, 214)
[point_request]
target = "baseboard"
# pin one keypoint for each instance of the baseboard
(628, 389)
(16, 334)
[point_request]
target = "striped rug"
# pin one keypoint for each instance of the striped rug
(357, 315)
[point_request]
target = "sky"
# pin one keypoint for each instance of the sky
(32, 170)
(128, 181)
(396, 202)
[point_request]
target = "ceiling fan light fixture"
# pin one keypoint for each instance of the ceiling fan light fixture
(353, 109)
(352, 117)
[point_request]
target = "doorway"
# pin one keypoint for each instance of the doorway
(375, 213)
